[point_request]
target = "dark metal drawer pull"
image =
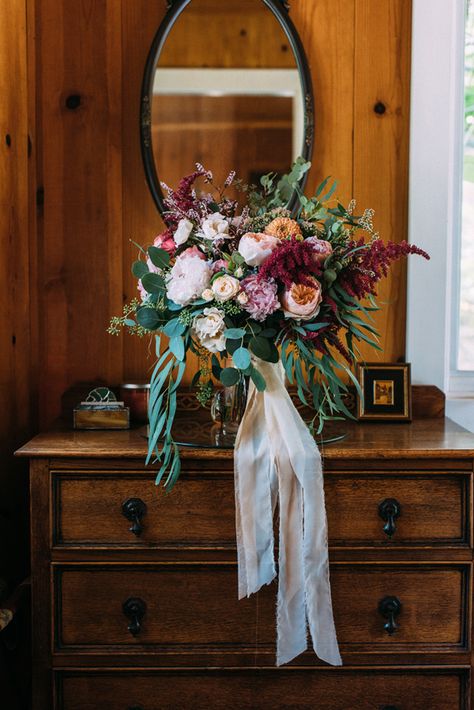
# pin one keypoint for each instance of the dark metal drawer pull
(390, 608)
(389, 510)
(134, 509)
(134, 609)
(383, 707)
(140, 707)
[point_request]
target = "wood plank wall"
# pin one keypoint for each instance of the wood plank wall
(16, 244)
(90, 56)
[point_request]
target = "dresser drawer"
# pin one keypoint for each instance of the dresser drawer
(262, 689)
(195, 607)
(431, 509)
(199, 511)
(89, 507)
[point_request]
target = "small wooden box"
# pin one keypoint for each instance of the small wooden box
(101, 417)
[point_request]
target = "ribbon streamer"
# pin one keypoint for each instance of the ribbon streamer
(276, 459)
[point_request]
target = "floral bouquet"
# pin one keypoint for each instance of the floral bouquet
(241, 286)
(264, 293)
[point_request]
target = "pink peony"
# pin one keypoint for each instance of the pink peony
(262, 297)
(165, 241)
(192, 251)
(321, 248)
(188, 278)
(301, 301)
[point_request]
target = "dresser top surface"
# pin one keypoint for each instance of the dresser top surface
(424, 438)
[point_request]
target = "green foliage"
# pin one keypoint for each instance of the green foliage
(153, 283)
(117, 323)
(139, 269)
(148, 318)
(241, 358)
(174, 327)
(277, 193)
(234, 333)
(264, 349)
(166, 377)
(229, 376)
(159, 257)
(257, 379)
(176, 346)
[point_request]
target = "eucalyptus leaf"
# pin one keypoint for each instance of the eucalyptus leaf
(229, 376)
(172, 306)
(176, 345)
(153, 283)
(216, 367)
(232, 345)
(330, 192)
(241, 358)
(148, 318)
(258, 379)
(313, 327)
(268, 333)
(322, 186)
(139, 269)
(234, 333)
(260, 347)
(196, 378)
(174, 327)
(159, 257)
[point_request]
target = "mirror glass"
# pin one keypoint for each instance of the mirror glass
(226, 94)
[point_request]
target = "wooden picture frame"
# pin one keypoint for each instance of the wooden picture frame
(386, 392)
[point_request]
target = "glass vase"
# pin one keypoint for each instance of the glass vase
(228, 406)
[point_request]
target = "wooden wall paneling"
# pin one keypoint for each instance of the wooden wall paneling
(382, 82)
(14, 234)
(80, 72)
(326, 28)
(141, 220)
(33, 209)
(15, 344)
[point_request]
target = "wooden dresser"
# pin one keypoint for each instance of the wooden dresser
(135, 592)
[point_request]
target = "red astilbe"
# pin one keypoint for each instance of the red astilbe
(291, 262)
(183, 202)
(371, 264)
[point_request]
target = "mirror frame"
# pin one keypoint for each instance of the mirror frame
(280, 9)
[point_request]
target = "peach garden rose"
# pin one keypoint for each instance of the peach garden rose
(301, 301)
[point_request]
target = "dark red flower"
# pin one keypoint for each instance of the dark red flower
(291, 262)
(371, 263)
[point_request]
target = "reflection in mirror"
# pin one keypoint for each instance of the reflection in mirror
(226, 93)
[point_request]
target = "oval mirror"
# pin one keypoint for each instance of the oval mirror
(227, 85)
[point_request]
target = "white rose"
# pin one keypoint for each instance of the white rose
(239, 272)
(242, 298)
(215, 227)
(184, 229)
(207, 294)
(255, 247)
(209, 329)
(188, 278)
(225, 287)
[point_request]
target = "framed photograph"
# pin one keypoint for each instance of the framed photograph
(386, 392)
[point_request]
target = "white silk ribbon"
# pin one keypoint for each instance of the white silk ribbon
(276, 460)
